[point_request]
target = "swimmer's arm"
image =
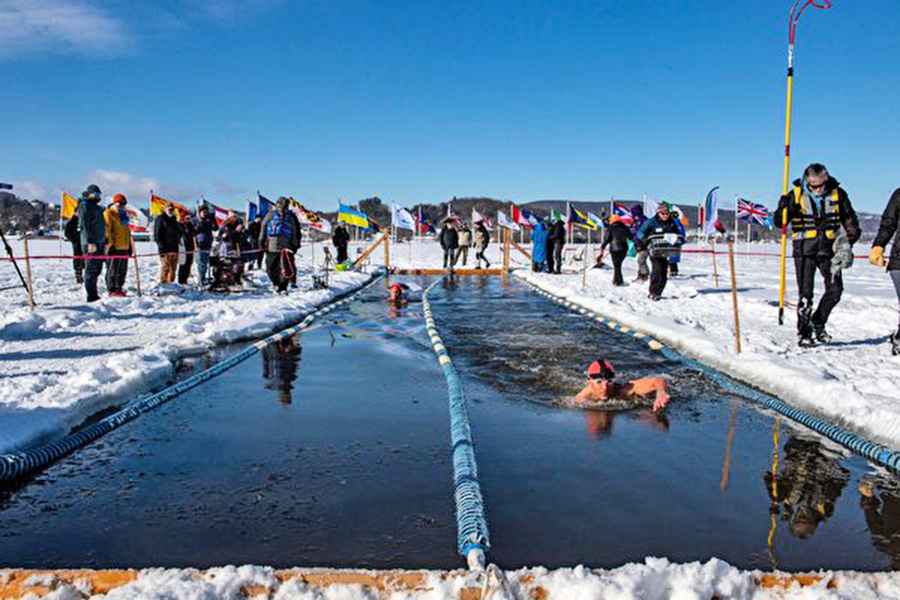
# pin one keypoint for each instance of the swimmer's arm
(584, 395)
(649, 385)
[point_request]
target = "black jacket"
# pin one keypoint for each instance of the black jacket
(890, 224)
(167, 233)
(340, 237)
(449, 238)
(71, 231)
(204, 231)
(557, 233)
(616, 237)
(819, 245)
(188, 232)
(254, 229)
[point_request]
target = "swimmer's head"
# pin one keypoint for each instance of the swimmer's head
(601, 369)
(396, 291)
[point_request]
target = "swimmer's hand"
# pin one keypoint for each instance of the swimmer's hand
(662, 400)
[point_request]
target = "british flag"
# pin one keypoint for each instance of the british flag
(750, 211)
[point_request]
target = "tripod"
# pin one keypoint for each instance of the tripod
(12, 258)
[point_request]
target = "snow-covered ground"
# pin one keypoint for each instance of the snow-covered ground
(68, 359)
(654, 579)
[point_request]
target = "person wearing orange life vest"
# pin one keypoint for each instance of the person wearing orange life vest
(601, 386)
(816, 210)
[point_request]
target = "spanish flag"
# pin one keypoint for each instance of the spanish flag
(158, 206)
(69, 207)
(351, 216)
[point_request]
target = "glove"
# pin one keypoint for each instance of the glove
(876, 256)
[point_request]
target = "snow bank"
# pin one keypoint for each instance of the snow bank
(69, 359)
(654, 579)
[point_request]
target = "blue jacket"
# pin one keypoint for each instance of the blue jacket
(651, 232)
(91, 224)
(539, 243)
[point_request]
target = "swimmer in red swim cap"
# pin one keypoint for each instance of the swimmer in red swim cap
(601, 386)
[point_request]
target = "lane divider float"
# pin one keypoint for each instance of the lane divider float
(473, 537)
(15, 465)
(877, 453)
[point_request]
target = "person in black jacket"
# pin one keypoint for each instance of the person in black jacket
(816, 209)
(204, 229)
(167, 233)
(556, 239)
(254, 254)
(616, 237)
(660, 236)
(890, 225)
(74, 237)
(188, 239)
(340, 238)
(449, 242)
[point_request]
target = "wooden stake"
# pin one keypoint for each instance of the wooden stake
(28, 276)
(734, 298)
(729, 443)
(506, 236)
(715, 263)
(137, 268)
(387, 250)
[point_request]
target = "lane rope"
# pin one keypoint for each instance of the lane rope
(877, 453)
(473, 536)
(15, 465)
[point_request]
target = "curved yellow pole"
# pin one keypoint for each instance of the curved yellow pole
(782, 282)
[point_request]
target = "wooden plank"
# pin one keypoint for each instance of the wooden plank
(463, 272)
(369, 250)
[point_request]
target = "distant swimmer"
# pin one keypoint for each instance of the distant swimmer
(601, 388)
(397, 295)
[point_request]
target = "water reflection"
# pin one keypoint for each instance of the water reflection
(599, 423)
(879, 499)
(280, 362)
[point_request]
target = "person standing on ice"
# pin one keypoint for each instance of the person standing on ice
(167, 233)
(616, 237)
(465, 240)
(449, 239)
(206, 225)
(280, 237)
(638, 218)
(538, 247)
(74, 236)
(482, 239)
(556, 239)
(890, 225)
(118, 236)
(92, 230)
(189, 243)
(340, 238)
(661, 236)
(817, 209)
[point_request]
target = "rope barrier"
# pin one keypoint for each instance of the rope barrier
(473, 537)
(876, 453)
(18, 464)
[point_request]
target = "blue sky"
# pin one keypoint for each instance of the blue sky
(417, 102)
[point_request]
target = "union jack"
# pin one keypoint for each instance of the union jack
(748, 211)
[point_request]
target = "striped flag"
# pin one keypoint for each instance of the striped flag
(623, 212)
(750, 211)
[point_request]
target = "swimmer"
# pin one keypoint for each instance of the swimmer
(397, 295)
(601, 387)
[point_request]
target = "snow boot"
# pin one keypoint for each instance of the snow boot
(895, 344)
(805, 341)
(822, 336)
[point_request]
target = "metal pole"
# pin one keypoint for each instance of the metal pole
(734, 298)
(28, 276)
(137, 268)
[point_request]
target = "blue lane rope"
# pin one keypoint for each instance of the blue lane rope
(877, 453)
(18, 464)
(473, 537)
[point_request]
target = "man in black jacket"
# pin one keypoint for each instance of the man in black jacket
(74, 237)
(556, 239)
(890, 225)
(449, 242)
(816, 209)
(616, 237)
(204, 229)
(167, 233)
(340, 238)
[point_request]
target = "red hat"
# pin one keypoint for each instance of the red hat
(601, 369)
(119, 198)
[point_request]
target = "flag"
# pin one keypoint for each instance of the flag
(530, 218)
(422, 225)
(309, 218)
(69, 207)
(624, 213)
(681, 216)
(650, 206)
(252, 210)
(401, 219)
(158, 206)
(137, 220)
(576, 217)
(477, 216)
(750, 211)
(220, 213)
(351, 216)
(504, 221)
(556, 215)
(711, 213)
(522, 217)
(598, 221)
(265, 205)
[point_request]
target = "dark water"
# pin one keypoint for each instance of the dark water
(333, 450)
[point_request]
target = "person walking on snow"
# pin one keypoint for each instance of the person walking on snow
(280, 237)
(638, 218)
(817, 209)
(118, 235)
(465, 240)
(340, 238)
(482, 239)
(92, 230)
(167, 233)
(449, 239)
(556, 239)
(538, 247)
(889, 228)
(660, 236)
(206, 225)
(616, 237)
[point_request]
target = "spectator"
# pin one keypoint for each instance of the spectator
(280, 236)
(340, 238)
(638, 218)
(482, 239)
(118, 236)
(206, 225)
(254, 256)
(464, 240)
(93, 238)
(616, 237)
(449, 239)
(538, 247)
(556, 239)
(167, 233)
(74, 237)
(188, 242)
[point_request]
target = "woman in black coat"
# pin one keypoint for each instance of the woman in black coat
(616, 237)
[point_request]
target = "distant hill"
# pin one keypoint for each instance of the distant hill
(19, 215)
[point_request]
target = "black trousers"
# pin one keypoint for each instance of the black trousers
(805, 268)
(659, 274)
(77, 263)
(116, 270)
(184, 271)
(274, 270)
(557, 256)
(341, 252)
(617, 259)
(449, 257)
(551, 251)
(92, 269)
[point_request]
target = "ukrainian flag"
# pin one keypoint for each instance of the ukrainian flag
(351, 216)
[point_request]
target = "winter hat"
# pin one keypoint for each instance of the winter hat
(601, 369)
(92, 193)
(120, 199)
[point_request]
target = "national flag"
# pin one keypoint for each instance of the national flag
(351, 216)
(264, 204)
(576, 217)
(401, 219)
(252, 210)
(556, 215)
(530, 218)
(158, 206)
(69, 207)
(598, 221)
(422, 225)
(220, 213)
(477, 216)
(309, 218)
(137, 220)
(711, 213)
(521, 216)
(750, 211)
(624, 213)
(504, 221)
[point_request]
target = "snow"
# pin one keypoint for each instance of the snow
(69, 359)
(654, 579)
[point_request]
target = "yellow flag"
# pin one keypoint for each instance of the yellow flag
(69, 206)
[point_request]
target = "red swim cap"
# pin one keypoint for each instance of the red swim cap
(601, 369)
